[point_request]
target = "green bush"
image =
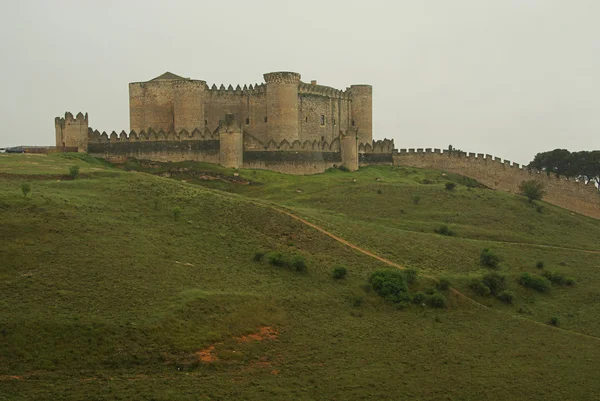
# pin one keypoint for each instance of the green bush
(379, 192)
(506, 297)
(73, 171)
(554, 321)
(535, 282)
(298, 263)
(430, 291)
(419, 298)
(258, 256)
(450, 186)
(437, 300)
(532, 189)
(444, 230)
(176, 213)
(390, 284)
(496, 282)
(443, 284)
(410, 275)
(489, 258)
(356, 300)
(539, 264)
(479, 288)
(25, 188)
(339, 272)
(558, 278)
(416, 199)
(276, 259)
(344, 169)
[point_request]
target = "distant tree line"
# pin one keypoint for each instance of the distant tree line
(582, 165)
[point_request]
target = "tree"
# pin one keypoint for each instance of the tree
(25, 188)
(584, 165)
(74, 171)
(532, 189)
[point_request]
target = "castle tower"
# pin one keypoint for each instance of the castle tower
(231, 140)
(349, 149)
(282, 105)
(362, 112)
(72, 131)
(188, 104)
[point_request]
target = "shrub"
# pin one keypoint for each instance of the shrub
(444, 230)
(176, 213)
(506, 297)
(390, 284)
(156, 204)
(258, 256)
(298, 263)
(450, 186)
(539, 264)
(379, 192)
(427, 181)
(419, 298)
(532, 189)
(410, 275)
(416, 199)
(535, 282)
(73, 171)
(276, 259)
(344, 169)
(356, 300)
(437, 300)
(479, 288)
(558, 278)
(443, 284)
(554, 321)
(496, 282)
(339, 272)
(430, 291)
(489, 258)
(25, 188)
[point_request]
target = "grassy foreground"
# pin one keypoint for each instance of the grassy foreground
(107, 295)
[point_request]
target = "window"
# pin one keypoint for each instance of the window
(353, 123)
(265, 118)
(205, 122)
(306, 119)
(247, 121)
(334, 121)
(322, 119)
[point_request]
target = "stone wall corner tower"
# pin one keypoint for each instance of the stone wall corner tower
(282, 105)
(72, 132)
(362, 111)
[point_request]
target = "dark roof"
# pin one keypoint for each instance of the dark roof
(168, 76)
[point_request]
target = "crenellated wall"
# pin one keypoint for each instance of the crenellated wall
(506, 176)
(71, 132)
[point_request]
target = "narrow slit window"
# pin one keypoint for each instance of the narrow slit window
(205, 122)
(322, 119)
(265, 118)
(333, 121)
(353, 123)
(247, 121)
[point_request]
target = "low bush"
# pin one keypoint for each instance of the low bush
(416, 199)
(176, 213)
(258, 256)
(437, 300)
(390, 284)
(298, 263)
(344, 169)
(356, 300)
(558, 278)
(554, 321)
(443, 284)
(339, 272)
(419, 298)
(496, 282)
(506, 297)
(73, 171)
(410, 275)
(25, 188)
(533, 281)
(379, 192)
(539, 264)
(444, 230)
(479, 288)
(450, 186)
(489, 258)
(276, 259)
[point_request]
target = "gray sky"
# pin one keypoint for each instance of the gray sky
(505, 77)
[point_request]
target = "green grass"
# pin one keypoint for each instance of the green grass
(106, 296)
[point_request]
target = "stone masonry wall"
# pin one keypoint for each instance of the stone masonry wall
(502, 175)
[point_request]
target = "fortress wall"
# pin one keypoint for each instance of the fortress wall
(151, 105)
(290, 162)
(506, 176)
(311, 108)
(161, 151)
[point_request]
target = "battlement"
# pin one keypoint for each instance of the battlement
(68, 119)
(282, 77)
(252, 144)
(381, 146)
(320, 90)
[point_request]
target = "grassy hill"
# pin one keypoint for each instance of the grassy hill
(128, 285)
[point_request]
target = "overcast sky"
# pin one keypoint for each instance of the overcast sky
(505, 77)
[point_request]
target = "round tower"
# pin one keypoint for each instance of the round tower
(282, 105)
(188, 105)
(362, 112)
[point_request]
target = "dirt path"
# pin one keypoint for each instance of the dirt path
(453, 290)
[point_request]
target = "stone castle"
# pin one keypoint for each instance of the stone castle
(288, 126)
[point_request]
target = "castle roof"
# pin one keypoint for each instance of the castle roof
(168, 76)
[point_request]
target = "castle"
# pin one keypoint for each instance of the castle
(288, 126)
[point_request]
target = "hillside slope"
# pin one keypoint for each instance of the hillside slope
(106, 295)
